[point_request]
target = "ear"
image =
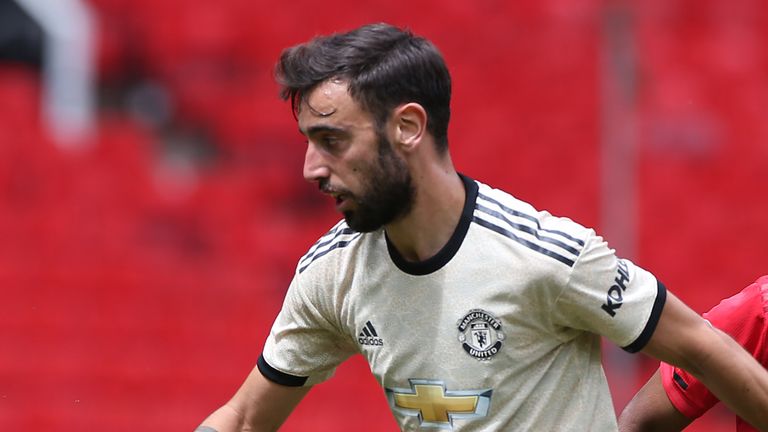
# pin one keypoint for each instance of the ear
(410, 125)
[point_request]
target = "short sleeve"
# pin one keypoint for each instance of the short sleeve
(611, 297)
(304, 346)
(743, 317)
(687, 394)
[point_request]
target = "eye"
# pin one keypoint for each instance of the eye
(330, 140)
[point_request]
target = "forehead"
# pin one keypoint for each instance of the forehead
(331, 103)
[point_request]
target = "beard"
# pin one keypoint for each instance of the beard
(388, 192)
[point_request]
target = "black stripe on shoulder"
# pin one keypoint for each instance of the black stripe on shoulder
(528, 229)
(278, 377)
(327, 239)
(331, 240)
(530, 245)
(520, 214)
(337, 245)
(653, 320)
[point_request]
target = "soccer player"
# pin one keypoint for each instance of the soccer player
(673, 398)
(475, 310)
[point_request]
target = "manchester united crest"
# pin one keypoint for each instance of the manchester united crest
(480, 334)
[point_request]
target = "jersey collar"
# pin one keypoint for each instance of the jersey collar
(444, 255)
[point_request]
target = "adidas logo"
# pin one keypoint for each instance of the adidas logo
(369, 336)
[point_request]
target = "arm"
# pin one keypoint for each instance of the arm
(651, 411)
(684, 339)
(259, 405)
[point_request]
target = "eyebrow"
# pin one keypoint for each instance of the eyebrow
(322, 128)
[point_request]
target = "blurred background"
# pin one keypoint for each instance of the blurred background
(152, 208)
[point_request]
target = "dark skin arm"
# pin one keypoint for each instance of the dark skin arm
(651, 411)
(684, 339)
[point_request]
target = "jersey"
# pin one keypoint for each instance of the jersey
(500, 330)
(745, 318)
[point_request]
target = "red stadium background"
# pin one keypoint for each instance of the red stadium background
(141, 265)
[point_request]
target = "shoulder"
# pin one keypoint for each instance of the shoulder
(751, 302)
(557, 237)
(500, 203)
(338, 238)
(744, 316)
(319, 271)
(761, 286)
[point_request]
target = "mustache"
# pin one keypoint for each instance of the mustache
(325, 187)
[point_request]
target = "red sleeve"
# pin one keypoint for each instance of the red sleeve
(745, 318)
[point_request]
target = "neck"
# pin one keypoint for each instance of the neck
(436, 212)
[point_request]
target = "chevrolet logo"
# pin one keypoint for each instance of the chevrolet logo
(437, 407)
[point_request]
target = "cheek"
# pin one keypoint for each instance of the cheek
(362, 175)
(362, 168)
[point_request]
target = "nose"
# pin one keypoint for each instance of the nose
(315, 166)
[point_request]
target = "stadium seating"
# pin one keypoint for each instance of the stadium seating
(139, 282)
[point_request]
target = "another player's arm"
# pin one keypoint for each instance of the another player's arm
(651, 410)
(684, 339)
(259, 405)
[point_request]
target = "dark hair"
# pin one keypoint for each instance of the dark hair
(384, 66)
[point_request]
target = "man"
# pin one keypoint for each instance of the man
(672, 398)
(474, 310)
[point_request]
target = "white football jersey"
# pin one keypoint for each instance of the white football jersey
(500, 331)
